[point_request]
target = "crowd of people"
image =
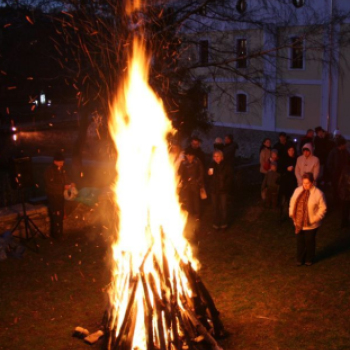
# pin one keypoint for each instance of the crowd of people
(292, 175)
(298, 177)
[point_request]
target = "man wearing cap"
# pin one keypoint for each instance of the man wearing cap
(307, 163)
(56, 181)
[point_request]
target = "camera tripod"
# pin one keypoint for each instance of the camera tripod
(31, 229)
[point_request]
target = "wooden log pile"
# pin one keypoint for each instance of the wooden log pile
(173, 319)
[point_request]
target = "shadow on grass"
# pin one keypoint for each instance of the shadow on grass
(337, 247)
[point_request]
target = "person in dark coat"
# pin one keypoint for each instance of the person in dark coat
(322, 147)
(191, 174)
(56, 181)
(288, 180)
(307, 138)
(336, 161)
(282, 146)
(195, 147)
(220, 174)
(230, 148)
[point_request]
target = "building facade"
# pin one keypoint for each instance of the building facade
(273, 66)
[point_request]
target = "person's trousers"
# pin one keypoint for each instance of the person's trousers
(219, 201)
(306, 246)
(193, 200)
(56, 213)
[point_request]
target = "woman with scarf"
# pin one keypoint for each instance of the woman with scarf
(307, 208)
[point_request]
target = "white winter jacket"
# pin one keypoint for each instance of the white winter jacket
(316, 206)
(307, 165)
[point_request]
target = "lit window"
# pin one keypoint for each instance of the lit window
(298, 3)
(295, 106)
(241, 6)
(203, 52)
(241, 103)
(241, 53)
(297, 53)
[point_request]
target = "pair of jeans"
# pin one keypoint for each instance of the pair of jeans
(306, 246)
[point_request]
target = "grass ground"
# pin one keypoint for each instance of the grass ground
(266, 302)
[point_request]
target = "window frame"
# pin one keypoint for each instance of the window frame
(290, 56)
(302, 106)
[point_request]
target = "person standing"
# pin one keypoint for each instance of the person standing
(307, 208)
(264, 157)
(337, 159)
(288, 181)
(322, 146)
(230, 148)
(56, 181)
(307, 138)
(191, 181)
(282, 146)
(307, 163)
(195, 148)
(220, 175)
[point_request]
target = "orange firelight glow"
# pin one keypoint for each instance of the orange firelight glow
(150, 219)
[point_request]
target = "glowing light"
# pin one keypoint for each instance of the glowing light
(150, 220)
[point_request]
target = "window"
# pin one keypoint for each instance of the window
(241, 103)
(203, 10)
(297, 53)
(298, 3)
(295, 106)
(241, 53)
(241, 6)
(203, 52)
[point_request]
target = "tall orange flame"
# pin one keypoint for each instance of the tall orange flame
(151, 222)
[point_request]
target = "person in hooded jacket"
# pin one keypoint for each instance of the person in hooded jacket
(307, 163)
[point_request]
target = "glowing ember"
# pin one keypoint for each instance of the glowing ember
(157, 300)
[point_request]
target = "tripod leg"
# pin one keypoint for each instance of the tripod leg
(37, 230)
(17, 223)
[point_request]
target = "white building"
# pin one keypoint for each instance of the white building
(284, 46)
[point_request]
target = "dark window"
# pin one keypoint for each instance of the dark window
(242, 53)
(241, 6)
(203, 10)
(203, 52)
(295, 106)
(241, 103)
(297, 53)
(298, 3)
